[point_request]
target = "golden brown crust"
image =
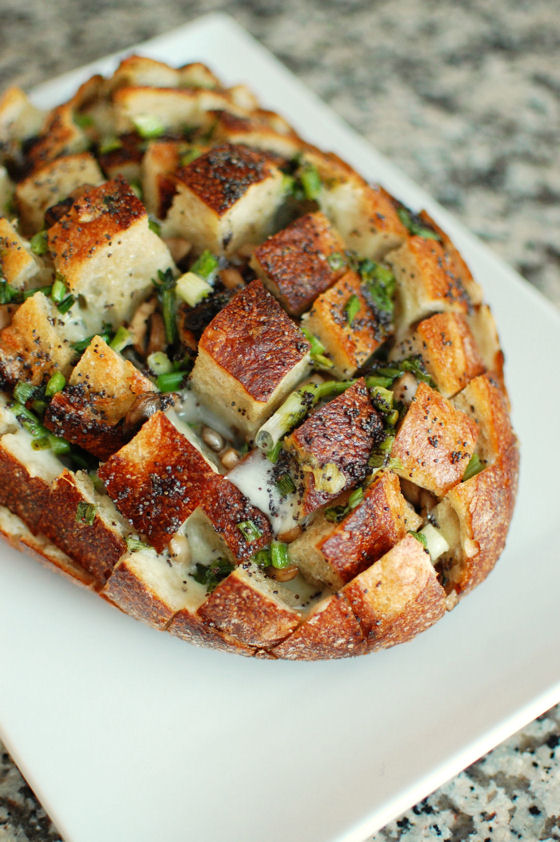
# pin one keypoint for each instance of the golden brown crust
(226, 508)
(157, 479)
(331, 631)
(398, 597)
(339, 435)
(434, 443)
(27, 496)
(449, 351)
(243, 609)
(294, 264)
(254, 340)
(94, 545)
(222, 176)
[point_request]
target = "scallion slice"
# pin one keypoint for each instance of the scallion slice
(192, 288)
(121, 339)
(279, 557)
(336, 261)
(23, 392)
(148, 126)
(171, 381)
(85, 513)
(135, 544)
(206, 265)
(38, 243)
(352, 308)
(415, 226)
(249, 530)
(285, 485)
(159, 363)
(55, 384)
(474, 467)
(310, 181)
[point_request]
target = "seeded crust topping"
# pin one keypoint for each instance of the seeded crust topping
(247, 397)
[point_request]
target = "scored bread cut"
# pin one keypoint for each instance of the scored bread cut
(246, 397)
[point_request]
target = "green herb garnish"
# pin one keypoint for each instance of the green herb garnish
(212, 574)
(279, 557)
(474, 467)
(165, 288)
(352, 308)
(39, 243)
(85, 513)
(249, 530)
(335, 514)
(415, 225)
(135, 544)
(317, 351)
(420, 537)
(154, 226)
(310, 181)
(205, 266)
(171, 381)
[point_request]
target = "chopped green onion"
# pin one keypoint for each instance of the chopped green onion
(188, 157)
(136, 188)
(165, 287)
(352, 308)
(212, 574)
(59, 446)
(135, 544)
(206, 265)
(395, 368)
(171, 381)
(285, 485)
(380, 285)
(474, 467)
(262, 558)
(84, 343)
(415, 226)
(294, 409)
(373, 381)
(66, 303)
(192, 288)
(55, 384)
(159, 363)
(310, 181)
(279, 557)
(83, 121)
(85, 513)
(111, 144)
(249, 530)
(8, 293)
(154, 226)
(23, 392)
(274, 452)
(355, 498)
(58, 290)
(121, 339)
(38, 406)
(28, 420)
(420, 537)
(38, 242)
(96, 481)
(148, 126)
(288, 184)
(336, 261)
(317, 351)
(40, 443)
(29, 293)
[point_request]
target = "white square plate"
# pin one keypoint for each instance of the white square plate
(125, 733)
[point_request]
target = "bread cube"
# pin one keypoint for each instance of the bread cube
(254, 131)
(198, 75)
(427, 282)
(434, 443)
(483, 327)
(27, 475)
(157, 480)
(473, 518)
(60, 135)
(144, 72)
(6, 192)
(52, 182)
(105, 251)
(333, 553)
(330, 631)
(18, 534)
(225, 198)
(364, 215)
(448, 350)
(294, 263)
(33, 346)
(458, 266)
(173, 108)
(250, 357)
(125, 160)
(334, 444)
(19, 118)
(161, 160)
(18, 266)
(102, 389)
(97, 540)
(398, 597)
(223, 508)
(484, 402)
(251, 608)
(348, 345)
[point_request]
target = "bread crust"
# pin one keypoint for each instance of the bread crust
(324, 341)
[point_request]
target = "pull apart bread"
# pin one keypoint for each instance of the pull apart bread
(247, 397)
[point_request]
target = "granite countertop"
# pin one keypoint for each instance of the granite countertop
(465, 98)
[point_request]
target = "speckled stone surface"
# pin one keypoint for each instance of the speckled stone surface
(465, 97)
